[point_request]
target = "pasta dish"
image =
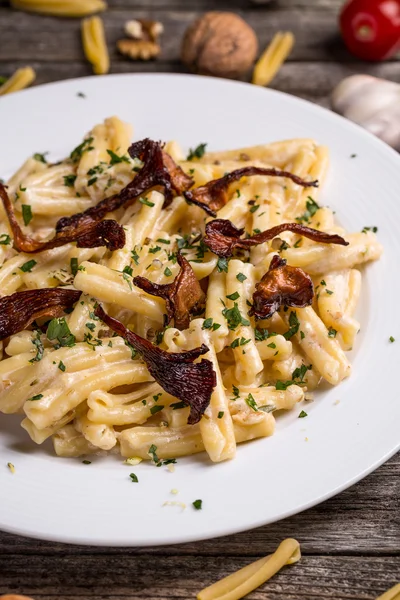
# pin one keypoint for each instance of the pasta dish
(160, 305)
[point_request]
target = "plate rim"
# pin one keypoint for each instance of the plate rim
(180, 538)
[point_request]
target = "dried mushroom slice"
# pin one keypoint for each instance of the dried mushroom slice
(19, 310)
(222, 237)
(282, 285)
(183, 296)
(212, 196)
(177, 373)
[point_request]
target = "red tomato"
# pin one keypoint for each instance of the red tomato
(371, 28)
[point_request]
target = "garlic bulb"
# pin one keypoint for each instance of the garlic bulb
(372, 103)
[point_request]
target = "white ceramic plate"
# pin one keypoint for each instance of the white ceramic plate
(65, 500)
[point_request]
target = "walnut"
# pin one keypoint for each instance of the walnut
(143, 39)
(220, 44)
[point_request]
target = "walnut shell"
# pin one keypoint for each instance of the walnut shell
(220, 44)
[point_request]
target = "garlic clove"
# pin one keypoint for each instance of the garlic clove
(372, 103)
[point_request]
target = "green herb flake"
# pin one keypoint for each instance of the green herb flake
(77, 152)
(391, 339)
(294, 326)
(134, 478)
(233, 296)
(115, 159)
(222, 265)
(152, 451)
(92, 181)
(162, 241)
(272, 345)
(167, 272)
(40, 157)
(198, 504)
(197, 152)
(254, 208)
(37, 342)
(251, 402)
(311, 209)
(329, 292)
(373, 229)
(74, 266)
(220, 414)
(155, 409)
(135, 256)
(146, 202)
(27, 213)
(28, 266)
(69, 180)
(58, 330)
(5, 239)
(234, 317)
(178, 405)
(37, 397)
(241, 277)
(81, 95)
(302, 414)
(208, 323)
(332, 332)
(61, 366)
(235, 392)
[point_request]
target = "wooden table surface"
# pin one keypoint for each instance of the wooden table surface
(350, 544)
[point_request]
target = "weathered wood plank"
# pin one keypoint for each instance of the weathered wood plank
(171, 577)
(310, 80)
(31, 37)
(362, 520)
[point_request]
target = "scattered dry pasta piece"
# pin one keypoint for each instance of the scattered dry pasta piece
(273, 58)
(20, 80)
(94, 45)
(249, 578)
(392, 594)
(61, 8)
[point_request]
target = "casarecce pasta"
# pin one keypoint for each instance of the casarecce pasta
(74, 380)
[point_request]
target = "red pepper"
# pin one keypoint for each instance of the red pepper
(371, 28)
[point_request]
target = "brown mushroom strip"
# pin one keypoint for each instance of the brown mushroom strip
(182, 297)
(158, 169)
(178, 375)
(281, 285)
(214, 195)
(222, 237)
(19, 310)
(87, 235)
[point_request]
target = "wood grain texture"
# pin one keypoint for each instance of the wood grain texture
(351, 543)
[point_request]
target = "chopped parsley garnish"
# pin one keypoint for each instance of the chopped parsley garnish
(208, 324)
(391, 339)
(256, 231)
(58, 330)
(155, 249)
(251, 402)
(261, 334)
(311, 209)
(297, 378)
(5, 239)
(178, 405)
(61, 366)
(332, 332)
(69, 180)
(222, 265)
(77, 152)
(220, 414)
(297, 244)
(155, 409)
(353, 155)
(37, 342)
(128, 270)
(37, 397)
(92, 180)
(234, 317)
(135, 256)
(27, 213)
(239, 342)
(153, 453)
(241, 277)
(197, 152)
(81, 95)
(234, 296)
(329, 292)
(40, 157)
(133, 350)
(146, 202)
(272, 345)
(198, 504)
(28, 266)
(133, 477)
(302, 335)
(86, 462)
(167, 272)
(302, 414)
(162, 241)
(254, 208)
(294, 326)
(91, 326)
(236, 392)
(115, 159)
(283, 246)
(323, 282)
(373, 229)
(91, 341)
(74, 266)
